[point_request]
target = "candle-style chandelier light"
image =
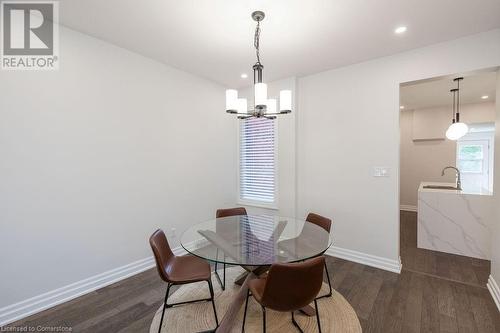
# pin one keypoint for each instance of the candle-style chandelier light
(262, 106)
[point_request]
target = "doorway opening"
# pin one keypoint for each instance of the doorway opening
(446, 185)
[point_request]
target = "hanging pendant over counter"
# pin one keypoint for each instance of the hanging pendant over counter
(457, 129)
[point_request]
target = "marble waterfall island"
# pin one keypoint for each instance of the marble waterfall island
(454, 221)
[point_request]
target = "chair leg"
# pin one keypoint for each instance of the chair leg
(296, 324)
(317, 315)
(264, 319)
(329, 284)
(222, 284)
(164, 307)
(245, 313)
(213, 301)
(224, 273)
(216, 257)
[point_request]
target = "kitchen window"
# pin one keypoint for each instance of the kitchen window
(475, 161)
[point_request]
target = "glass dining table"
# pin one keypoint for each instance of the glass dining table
(254, 242)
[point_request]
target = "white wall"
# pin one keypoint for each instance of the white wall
(348, 122)
(286, 150)
(96, 156)
(423, 160)
(495, 239)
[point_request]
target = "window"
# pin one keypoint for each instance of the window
(257, 157)
(475, 161)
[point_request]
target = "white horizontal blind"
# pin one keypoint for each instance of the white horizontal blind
(257, 160)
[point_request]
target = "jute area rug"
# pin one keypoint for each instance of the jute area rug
(336, 314)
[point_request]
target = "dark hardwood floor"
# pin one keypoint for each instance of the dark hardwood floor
(448, 266)
(435, 292)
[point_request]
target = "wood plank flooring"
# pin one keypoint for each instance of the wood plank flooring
(434, 293)
(447, 266)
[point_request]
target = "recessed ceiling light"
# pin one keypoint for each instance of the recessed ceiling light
(244, 75)
(402, 107)
(400, 30)
(485, 97)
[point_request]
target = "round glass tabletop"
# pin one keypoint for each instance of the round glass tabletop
(255, 240)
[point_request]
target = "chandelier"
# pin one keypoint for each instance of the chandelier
(262, 106)
(457, 129)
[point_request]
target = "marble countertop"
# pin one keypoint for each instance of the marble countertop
(422, 189)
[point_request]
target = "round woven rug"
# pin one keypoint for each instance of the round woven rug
(335, 312)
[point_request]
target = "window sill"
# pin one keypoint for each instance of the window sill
(257, 204)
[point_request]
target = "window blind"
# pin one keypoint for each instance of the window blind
(257, 160)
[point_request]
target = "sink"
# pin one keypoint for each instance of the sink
(441, 187)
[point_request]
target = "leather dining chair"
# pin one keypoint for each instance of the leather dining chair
(288, 288)
(326, 224)
(178, 270)
(220, 213)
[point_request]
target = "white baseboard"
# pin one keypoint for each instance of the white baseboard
(52, 298)
(366, 259)
(494, 291)
(28, 307)
(408, 208)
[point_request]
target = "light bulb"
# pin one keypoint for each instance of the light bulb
(271, 106)
(260, 94)
(285, 100)
(231, 99)
(456, 131)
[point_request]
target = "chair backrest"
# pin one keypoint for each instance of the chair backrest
(319, 220)
(162, 252)
(230, 212)
(290, 287)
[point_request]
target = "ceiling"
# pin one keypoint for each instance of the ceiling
(434, 93)
(214, 38)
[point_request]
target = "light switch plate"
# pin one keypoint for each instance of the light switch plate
(380, 172)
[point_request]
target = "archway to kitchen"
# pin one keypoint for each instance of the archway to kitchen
(446, 183)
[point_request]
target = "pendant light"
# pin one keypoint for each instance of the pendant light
(263, 106)
(457, 129)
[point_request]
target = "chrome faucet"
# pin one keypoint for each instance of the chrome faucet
(459, 182)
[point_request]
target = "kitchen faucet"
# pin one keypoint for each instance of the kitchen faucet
(459, 182)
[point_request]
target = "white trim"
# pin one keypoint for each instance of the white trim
(30, 306)
(55, 297)
(494, 291)
(366, 259)
(408, 208)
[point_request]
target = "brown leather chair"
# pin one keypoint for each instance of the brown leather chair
(220, 213)
(326, 224)
(288, 288)
(230, 212)
(176, 270)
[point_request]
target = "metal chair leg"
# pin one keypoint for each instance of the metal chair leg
(222, 284)
(329, 284)
(264, 319)
(164, 307)
(245, 313)
(213, 301)
(296, 324)
(317, 315)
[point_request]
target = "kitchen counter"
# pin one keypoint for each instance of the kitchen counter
(454, 221)
(464, 191)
